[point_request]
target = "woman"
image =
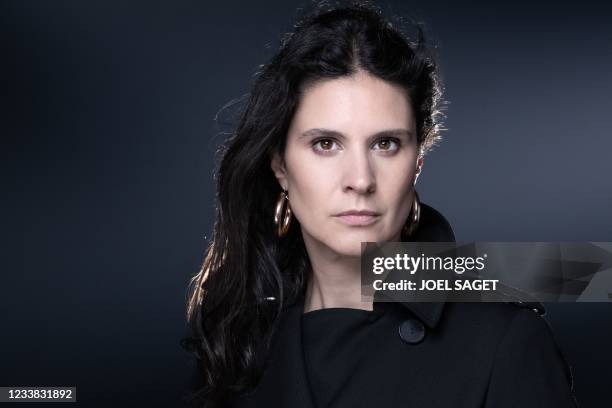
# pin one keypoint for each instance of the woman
(326, 155)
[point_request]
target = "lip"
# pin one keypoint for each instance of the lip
(358, 217)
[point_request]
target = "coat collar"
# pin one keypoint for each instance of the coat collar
(428, 312)
(285, 382)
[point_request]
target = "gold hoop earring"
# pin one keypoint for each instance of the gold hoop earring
(413, 219)
(282, 204)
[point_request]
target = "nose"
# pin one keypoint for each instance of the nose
(359, 175)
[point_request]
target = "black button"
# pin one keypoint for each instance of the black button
(412, 331)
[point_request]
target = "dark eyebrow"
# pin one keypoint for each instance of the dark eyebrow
(333, 133)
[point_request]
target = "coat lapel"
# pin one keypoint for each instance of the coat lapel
(428, 312)
(285, 381)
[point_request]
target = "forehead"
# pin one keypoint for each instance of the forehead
(361, 104)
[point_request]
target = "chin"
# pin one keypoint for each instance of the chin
(351, 245)
(346, 250)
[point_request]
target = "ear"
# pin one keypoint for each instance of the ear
(419, 168)
(278, 167)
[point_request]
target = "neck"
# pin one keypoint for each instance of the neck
(334, 282)
(335, 279)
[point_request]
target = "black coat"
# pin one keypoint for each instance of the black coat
(471, 355)
(417, 355)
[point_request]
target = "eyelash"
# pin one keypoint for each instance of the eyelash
(390, 139)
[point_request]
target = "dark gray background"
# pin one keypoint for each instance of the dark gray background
(107, 157)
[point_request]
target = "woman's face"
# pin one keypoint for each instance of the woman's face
(351, 145)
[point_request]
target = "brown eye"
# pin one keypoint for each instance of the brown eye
(388, 144)
(324, 145)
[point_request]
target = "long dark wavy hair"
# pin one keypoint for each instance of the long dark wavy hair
(249, 274)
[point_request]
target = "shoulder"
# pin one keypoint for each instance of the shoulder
(497, 315)
(529, 360)
(510, 326)
(515, 344)
(487, 329)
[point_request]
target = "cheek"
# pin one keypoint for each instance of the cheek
(398, 187)
(400, 198)
(309, 187)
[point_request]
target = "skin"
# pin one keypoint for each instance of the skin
(358, 167)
